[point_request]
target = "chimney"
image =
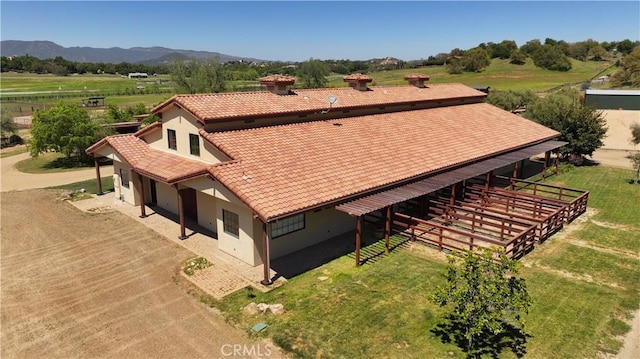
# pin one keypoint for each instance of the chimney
(278, 84)
(417, 80)
(358, 81)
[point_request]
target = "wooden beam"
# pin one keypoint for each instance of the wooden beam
(98, 178)
(387, 230)
(487, 182)
(183, 234)
(358, 238)
(143, 214)
(515, 170)
(266, 260)
(452, 199)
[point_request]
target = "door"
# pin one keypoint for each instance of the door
(190, 203)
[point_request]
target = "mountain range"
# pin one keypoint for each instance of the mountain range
(145, 55)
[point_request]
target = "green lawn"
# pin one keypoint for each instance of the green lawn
(583, 282)
(49, 162)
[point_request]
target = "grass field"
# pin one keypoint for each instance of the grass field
(584, 282)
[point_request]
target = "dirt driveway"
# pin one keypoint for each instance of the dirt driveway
(100, 285)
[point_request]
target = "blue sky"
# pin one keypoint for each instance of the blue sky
(297, 31)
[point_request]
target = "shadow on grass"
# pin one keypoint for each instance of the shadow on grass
(486, 344)
(73, 162)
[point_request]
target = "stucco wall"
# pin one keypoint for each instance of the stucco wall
(243, 246)
(184, 124)
(123, 193)
(319, 226)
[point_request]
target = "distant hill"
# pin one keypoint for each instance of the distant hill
(147, 55)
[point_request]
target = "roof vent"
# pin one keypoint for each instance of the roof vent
(278, 84)
(358, 81)
(417, 80)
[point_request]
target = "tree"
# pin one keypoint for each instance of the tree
(598, 53)
(313, 73)
(7, 126)
(194, 76)
(512, 99)
(67, 129)
(475, 60)
(635, 157)
(551, 57)
(629, 75)
(517, 58)
(486, 297)
(582, 126)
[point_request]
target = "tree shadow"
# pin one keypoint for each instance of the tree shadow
(486, 344)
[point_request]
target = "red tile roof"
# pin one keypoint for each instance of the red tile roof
(160, 165)
(241, 105)
(284, 169)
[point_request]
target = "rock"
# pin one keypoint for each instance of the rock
(263, 307)
(277, 309)
(251, 308)
(323, 278)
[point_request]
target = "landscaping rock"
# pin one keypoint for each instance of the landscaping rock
(263, 307)
(277, 309)
(251, 308)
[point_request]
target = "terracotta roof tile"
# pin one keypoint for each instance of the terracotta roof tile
(288, 168)
(225, 106)
(163, 166)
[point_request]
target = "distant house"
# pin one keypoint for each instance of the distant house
(613, 99)
(138, 75)
(271, 172)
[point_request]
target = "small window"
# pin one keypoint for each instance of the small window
(287, 225)
(231, 223)
(124, 178)
(194, 144)
(171, 138)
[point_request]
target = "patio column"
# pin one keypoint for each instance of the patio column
(98, 179)
(515, 170)
(266, 259)
(487, 181)
(387, 230)
(546, 161)
(453, 194)
(183, 234)
(143, 214)
(557, 159)
(358, 238)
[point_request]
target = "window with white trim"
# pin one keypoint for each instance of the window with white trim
(287, 225)
(231, 223)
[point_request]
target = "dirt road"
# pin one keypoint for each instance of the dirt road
(11, 179)
(100, 285)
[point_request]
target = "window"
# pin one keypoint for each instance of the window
(171, 138)
(194, 144)
(231, 223)
(287, 225)
(124, 178)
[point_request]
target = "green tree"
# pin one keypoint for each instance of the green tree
(475, 60)
(63, 128)
(551, 57)
(454, 65)
(518, 58)
(635, 157)
(485, 296)
(512, 99)
(629, 74)
(598, 53)
(194, 76)
(7, 126)
(583, 127)
(313, 73)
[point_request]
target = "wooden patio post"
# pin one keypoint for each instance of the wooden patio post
(487, 182)
(183, 234)
(143, 214)
(98, 179)
(358, 238)
(387, 231)
(557, 159)
(515, 170)
(546, 161)
(266, 260)
(453, 194)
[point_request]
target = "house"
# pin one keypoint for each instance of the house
(275, 171)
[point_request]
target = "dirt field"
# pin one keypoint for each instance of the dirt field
(99, 285)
